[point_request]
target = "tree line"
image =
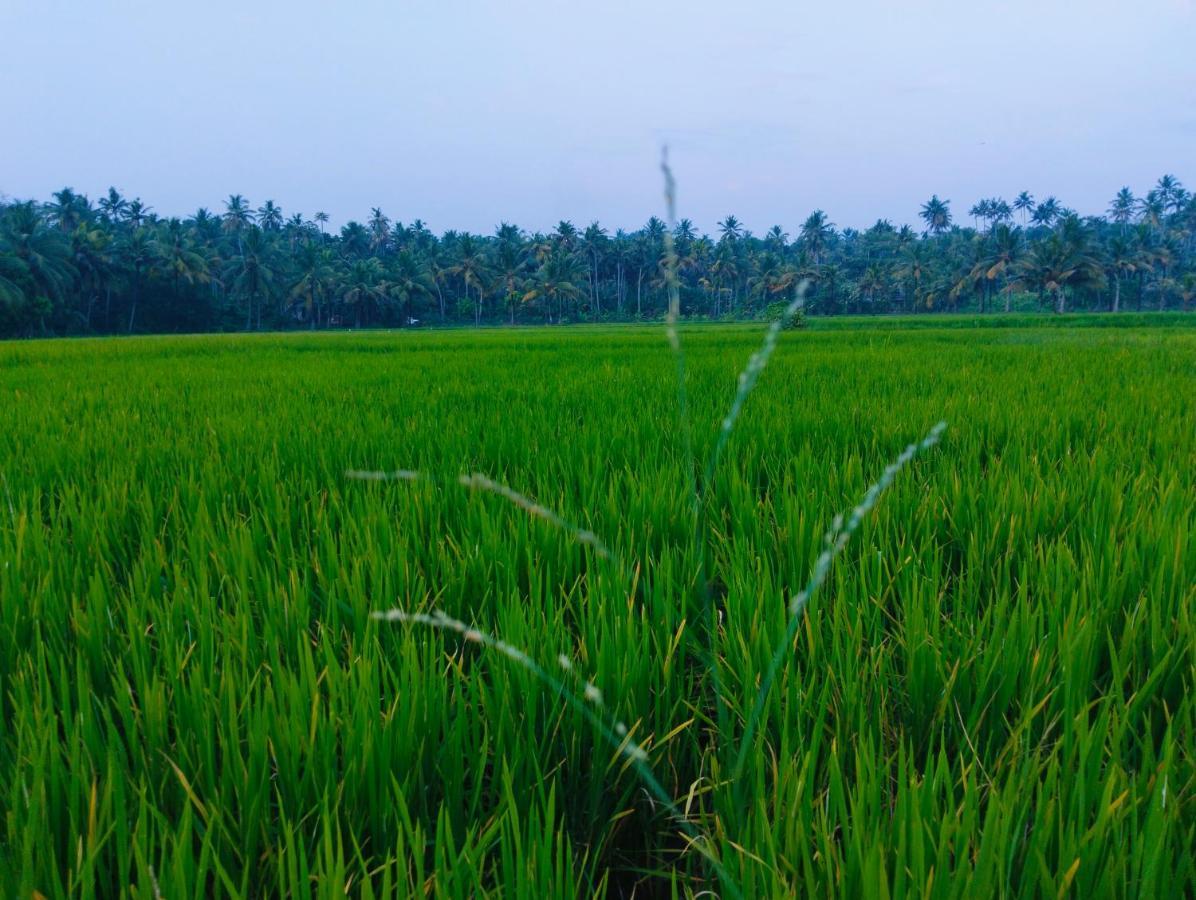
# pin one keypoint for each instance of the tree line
(71, 266)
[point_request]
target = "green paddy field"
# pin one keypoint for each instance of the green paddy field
(992, 694)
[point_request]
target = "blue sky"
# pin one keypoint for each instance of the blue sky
(467, 113)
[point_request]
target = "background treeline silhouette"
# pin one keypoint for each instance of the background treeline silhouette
(71, 266)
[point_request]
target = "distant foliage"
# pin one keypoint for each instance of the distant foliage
(74, 266)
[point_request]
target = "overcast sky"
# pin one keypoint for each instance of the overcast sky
(466, 113)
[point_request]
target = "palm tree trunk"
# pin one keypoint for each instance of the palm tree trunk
(1060, 301)
(597, 294)
(1117, 293)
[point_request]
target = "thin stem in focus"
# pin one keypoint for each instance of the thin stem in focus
(709, 626)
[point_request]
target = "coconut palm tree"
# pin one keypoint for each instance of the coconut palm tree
(725, 271)
(251, 274)
(470, 267)
(361, 287)
(1024, 203)
(39, 259)
(621, 254)
(999, 211)
(1171, 193)
(1122, 258)
(1121, 209)
(1047, 212)
(93, 260)
(68, 210)
(1152, 209)
(566, 235)
(936, 214)
(269, 216)
(556, 283)
(1160, 257)
(137, 213)
(294, 229)
(776, 239)
(594, 243)
(914, 271)
(206, 226)
(1057, 263)
(1001, 253)
(408, 281)
(773, 277)
(816, 233)
(315, 272)
(1187, 289)
(12, 295)
(872, 283)
(979, 210)
(237, 214)
(355, 239)
(379, 227)
(138, 253)
(684, 233)
(112, 206)
(729, 229)
(510, 266)
(178, 260)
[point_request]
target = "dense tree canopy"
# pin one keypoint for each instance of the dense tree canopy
(71, 266)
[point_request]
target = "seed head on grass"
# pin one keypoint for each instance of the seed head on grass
(397, 475)
(479, 482)
(586, 701)
(842, 529)
(756, 364)
(835, 540)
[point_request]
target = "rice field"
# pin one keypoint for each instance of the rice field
(991, 695)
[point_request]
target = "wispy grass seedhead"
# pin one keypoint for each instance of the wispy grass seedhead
(835, 540)
(12, 510)
(756, 364)
(397, 475)
(670, 253)
(479, 482)
(590, 703)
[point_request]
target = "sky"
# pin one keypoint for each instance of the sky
(466, 113)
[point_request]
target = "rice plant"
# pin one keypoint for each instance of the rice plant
(991, 692)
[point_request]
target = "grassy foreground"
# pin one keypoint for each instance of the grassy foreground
(993, 695)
